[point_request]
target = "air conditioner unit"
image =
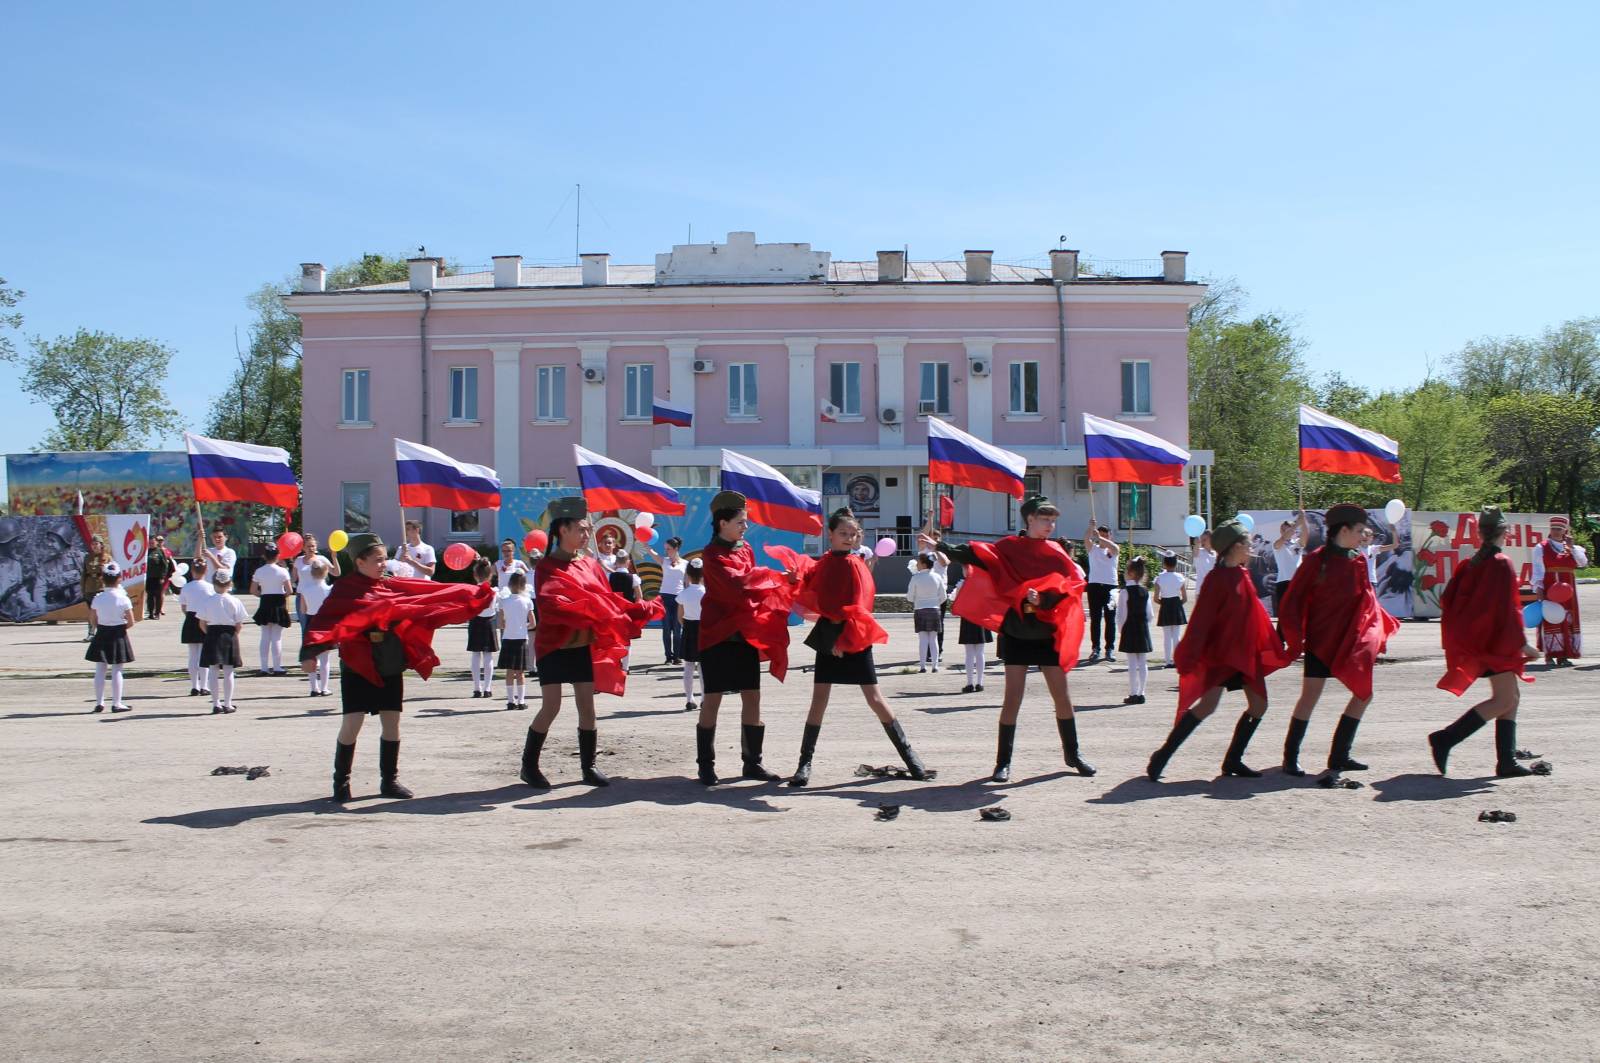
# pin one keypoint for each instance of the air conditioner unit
(978, 367)
(1080, 482)
(889, 415)
(704, 365)
(927, 407)
(593, 374)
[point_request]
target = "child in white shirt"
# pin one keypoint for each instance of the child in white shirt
(926, 593)
(270, 583)
(314, 590)
(482, 638)
(112, 610)
(191, 599)
(1171, 593)
(689, 599)
(220, 620)
(516, 626)
(1133, 629)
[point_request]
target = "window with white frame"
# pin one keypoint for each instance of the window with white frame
(1133, 506)
(844, 388)
(357, 407)
(742, 389)
(690, 475)
(551, 404)
(464, 393)
(1136, 387)
(1024, 387)
(934, 398)
(355, 500)
(638, 396)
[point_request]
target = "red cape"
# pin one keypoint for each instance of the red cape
(1331, 610)
(1011, 568)
(1229, 634)
(838, 587)
(411, 608)
(1481, 623)
(743, 598)
(574, 595)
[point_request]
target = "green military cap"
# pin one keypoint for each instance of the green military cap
(570, 507)
(1490, 521)
(728, 500)
(1038, 504)
(1226, 534)
(361, 542)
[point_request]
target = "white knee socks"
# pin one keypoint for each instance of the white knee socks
(266, 642)
(194, 666)
(116, 685)
(1169, 640)
(928, 649)
(974, 665)
(271, 648)
(324, 670)
(688, 680)
(1138, 671)
(99, 683)
(221, 685)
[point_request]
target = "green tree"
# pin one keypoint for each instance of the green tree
(107, 392)
(10, 319)
(262, 403)
(373, 267)
(1545, 442)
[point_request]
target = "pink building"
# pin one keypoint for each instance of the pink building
(510, 367)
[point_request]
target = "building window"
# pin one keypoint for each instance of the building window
(742, 389)
(1133, 505)
(690, 475)
(935, 395)
(552, 400)
(357, 397)
(1032, 484)
(464, 393)
(638, 398)
(356, 501)
(844, 388)
(1136, 387)
(1024, 387)
(550, 481)
(801, 475)
(464, 523)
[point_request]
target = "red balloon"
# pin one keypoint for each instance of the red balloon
(459, 555)
(535, 540)
(644, 535)
(1560, 593)
(289, 544)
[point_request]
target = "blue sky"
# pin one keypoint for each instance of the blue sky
(1396, 180)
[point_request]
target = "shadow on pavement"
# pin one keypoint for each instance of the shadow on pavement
(427, 805)
(666, 790)
(1419, 787)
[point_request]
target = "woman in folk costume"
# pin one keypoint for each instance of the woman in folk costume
(1229, 644)
(744, 620)
(1555, 563)
(1028, 588)
(382, 626)
(838, 591)
(1481, 630)
(582, 637)
(1330, 614)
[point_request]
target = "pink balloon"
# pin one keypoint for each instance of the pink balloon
(459, 555)
(885, 547)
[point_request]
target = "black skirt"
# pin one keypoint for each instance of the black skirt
(1172, 613)
(1316, 668)
(191, 635)
(730, 665)
(1135, 636)
(513, 655)
(565, 667)
(358, 694)
(110, 645)
(925, 620)
(691, 640)
(1041, 652)
(848, 669)
(481, 635)
(272, 609)
(221, 648)
(974, 634)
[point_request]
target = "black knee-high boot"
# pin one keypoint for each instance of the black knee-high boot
(1344, 736)
(705, 746)
(1069, 746)
(752, 737)
(1179, 734)
(902, 746)
(808, 748)
(588, 748)
(1233, 763)
(389, 769)
(1291, 747)
(530, 761)
(1442, 742)
(1002, 756)
(1505, 750)
(344, 758)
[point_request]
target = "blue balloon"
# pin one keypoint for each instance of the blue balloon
(1532, 614)
(1194, 525)
(1247, 520)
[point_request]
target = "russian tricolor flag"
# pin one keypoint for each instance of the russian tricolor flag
(1119, 454)
(1328, 444)
(432, 479)
(610, 484)
(771, 499)
(241, 472)
(665, 413)
(954, 457)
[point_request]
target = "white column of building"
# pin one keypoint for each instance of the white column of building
(803, 410)
(680, 379)
(592, 431)
(508, 412)
(892, 388)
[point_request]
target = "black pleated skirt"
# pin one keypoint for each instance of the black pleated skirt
(1040, 652)
(482, 637)
(974, 634)
(1172, 614)
(358, 694)
(514, 655)
(847, 669)
(221, 648)
(272, 609)
(565, 667)
(730, 665)
(110, 645)
(691, 640)
(191, 635)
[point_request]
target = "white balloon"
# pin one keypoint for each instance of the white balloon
(1554, 612)
(183, 568)
(179, 580)
(1394, 510)
(644, 520)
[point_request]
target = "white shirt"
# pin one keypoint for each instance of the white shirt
(1370, 552)
(1288, 559)
(302, 570)
(272, 579)
(1102, 566)
(1170, 584)
(493, 608)
(672, 575)
(110, 605)
(926, 590)
(195, 594)
(227, 557)
(610, 562)
(314, 592)
(689, 600)
(503, 570)
(1204, 561)
(421, 552)
(224, 610)
(515, 609)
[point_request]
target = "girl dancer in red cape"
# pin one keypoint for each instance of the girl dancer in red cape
(1331, 615)
(744, 620)
(837, 591)
(1028, 588)
(1228, 645)
(583, 635)
(367, 609)
(1481, 629)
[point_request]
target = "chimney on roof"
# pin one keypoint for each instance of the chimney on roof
(508, 271)
(892, 266)
(596, 269)
(980, 266)
(1063, 265)
(1173, 265)
(424, 273)
(313, 277)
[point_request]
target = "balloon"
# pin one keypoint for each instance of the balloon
(1247, 520)
(644, 520)
(289, 544)
(1532, 613)
(459, 555)
(182, 569)
(885, 547)
(338, 539)
(1554, 612)
(1194, 525)
(1559, 592)
(180, 579)
(535, 540)
(644, 534)
(1394, 510)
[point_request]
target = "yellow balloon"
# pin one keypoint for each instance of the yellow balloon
(338, 539)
